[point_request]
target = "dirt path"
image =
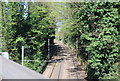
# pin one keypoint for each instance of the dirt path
(64, 65)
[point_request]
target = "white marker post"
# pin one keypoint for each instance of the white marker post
(22, 55)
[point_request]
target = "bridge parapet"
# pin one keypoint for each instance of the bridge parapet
(5, 54)
(13, 70)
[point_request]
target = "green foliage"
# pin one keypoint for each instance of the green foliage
(94, 32)
(90, 28)
(103, 54)
(29, 27)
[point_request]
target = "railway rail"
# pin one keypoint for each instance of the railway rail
(64, 65)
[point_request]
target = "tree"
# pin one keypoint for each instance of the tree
(95, 26)
(28, 25)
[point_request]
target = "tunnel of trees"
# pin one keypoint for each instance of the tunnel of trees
(91, 29)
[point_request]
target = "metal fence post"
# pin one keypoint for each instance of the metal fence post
(48, 48)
